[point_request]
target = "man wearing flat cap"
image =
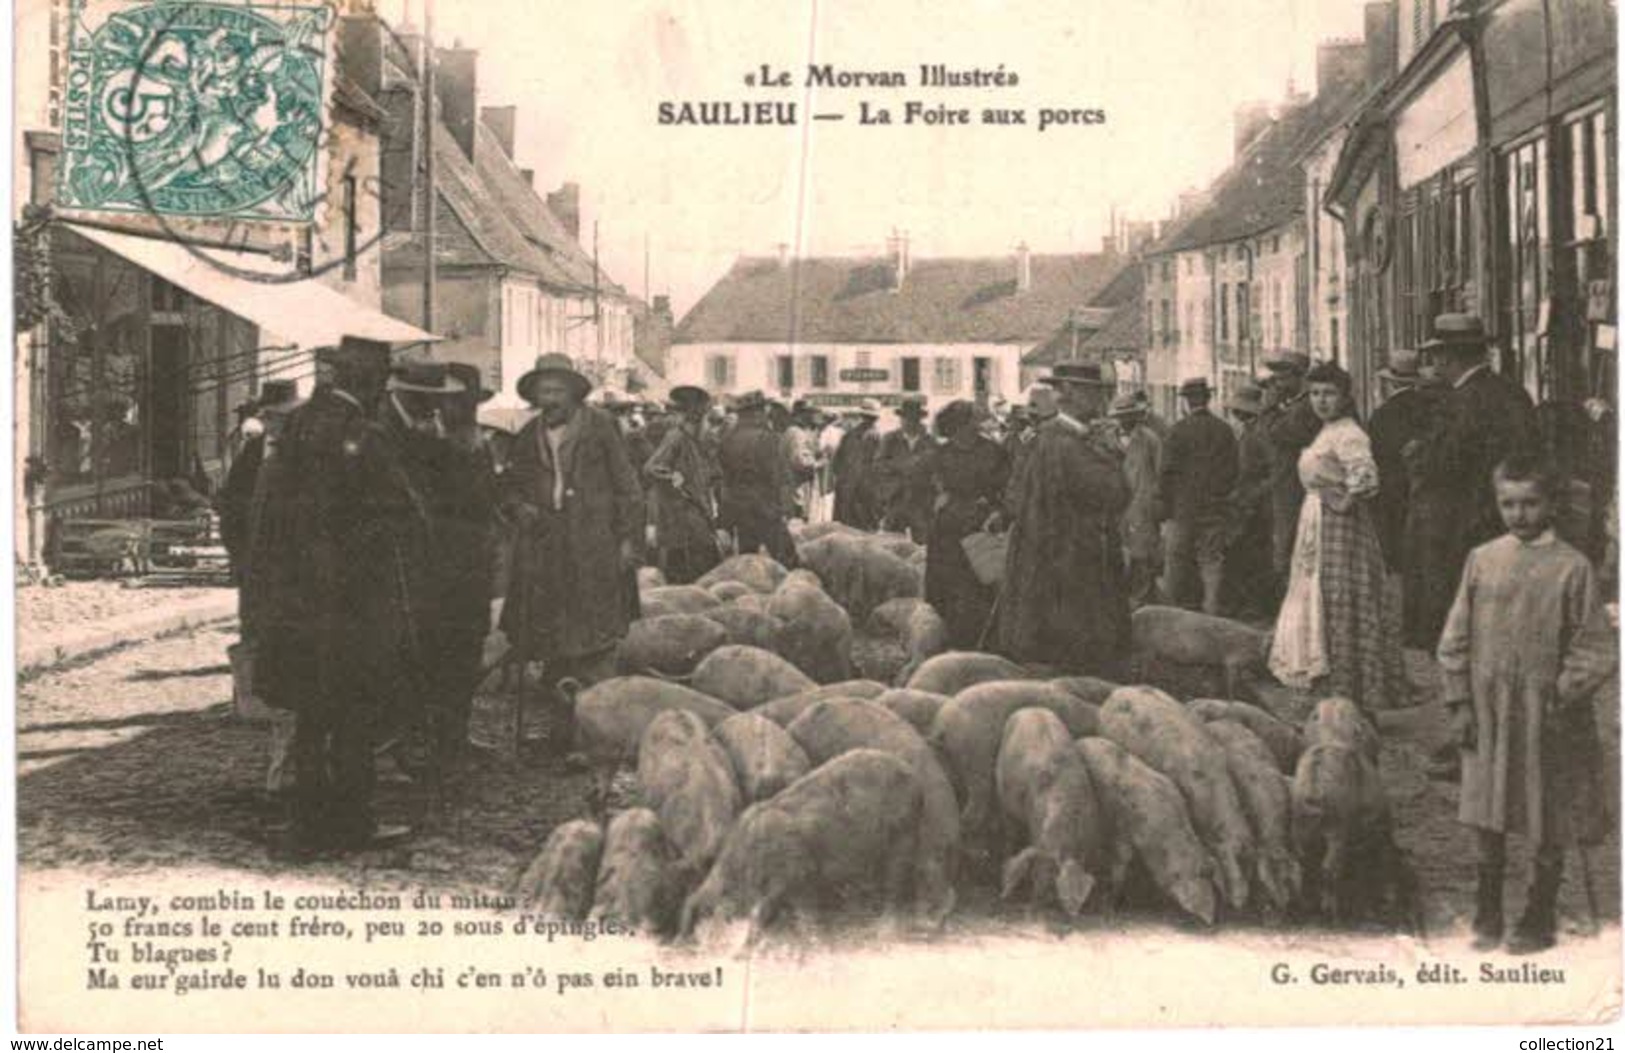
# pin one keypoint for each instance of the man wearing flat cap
(1481, 418)
(574, 496)
(679, 474)
(344, 540)
(755, 500)
(1064, 599)
(903, 472)
(1199, 465)
(1290, 425)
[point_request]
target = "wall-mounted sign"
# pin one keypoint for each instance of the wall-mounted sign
(863, 376)
(852, 399)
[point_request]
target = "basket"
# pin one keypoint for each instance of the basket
(986, 555)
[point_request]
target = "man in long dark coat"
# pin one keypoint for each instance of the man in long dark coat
(679, 473)
(1198, 472)
(345, 547)
(854, 465)
(1481, 419)
(1406, 414)
(755, 500)
(1290, 424)
(1248, 574)
(575, 497)
(903, 471)
(1065, 597)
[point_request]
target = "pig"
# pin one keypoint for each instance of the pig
(953, 671)
(1284, 741)
(1166, 736)
(728, 591)
(917, 628)
(612, 715)
(650, 578)
(817, 634)
(967, 733)
(841, 833)
(743, 625)
(677, 599)
(1191, 638)
(765, 758)
(1343, 831)
(802, 576)
(1339, 722)
(1148, 811)
(830, 728)
(1266, 797)
(859, 575)
(1045, 791)
(688, 779)
(559, 881)
(813, 531)
(919, 708)
(748, 676)
(782, 711)
(899, 545)
(762, 573)
(756, 602)
(636, 887)
(668, 646)
(1089, 688)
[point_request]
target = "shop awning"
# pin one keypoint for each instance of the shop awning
(305, 312)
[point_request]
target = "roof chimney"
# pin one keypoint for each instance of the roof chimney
(1024, 268)
(897, 249)
(1381, 42)
(566, 204)
(456, 82)
(662, 307)
(500, 121)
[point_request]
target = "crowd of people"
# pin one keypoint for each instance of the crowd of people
(364, 525)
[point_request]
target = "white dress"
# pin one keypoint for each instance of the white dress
(1338, 459)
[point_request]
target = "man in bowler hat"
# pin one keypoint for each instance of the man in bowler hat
(1199, 465)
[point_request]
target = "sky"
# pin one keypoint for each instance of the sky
(588, 79)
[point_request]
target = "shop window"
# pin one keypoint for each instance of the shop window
(820, 371)
(720, 371)
(1524, 238)
(786, 372)
(945, 379)
(1591, 261)
(910, 368)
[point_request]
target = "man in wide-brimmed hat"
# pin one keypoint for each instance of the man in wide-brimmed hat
(855, 497)
(1247, 590)
(338, 553)
(1290, 425)
(1142, 468)
(903, 472)
(1479, 420)
(680, 474)
(1064, 599)
(1199, 465)
(754, 498)
(1404, 415)
(574, 494)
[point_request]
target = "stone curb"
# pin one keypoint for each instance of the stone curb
(36, 656)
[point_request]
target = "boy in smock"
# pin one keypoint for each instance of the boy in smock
(1524, 650)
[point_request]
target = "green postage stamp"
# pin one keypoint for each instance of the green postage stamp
(196, 109)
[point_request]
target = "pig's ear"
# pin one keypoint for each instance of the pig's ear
(1017, 870)
(1073, 885)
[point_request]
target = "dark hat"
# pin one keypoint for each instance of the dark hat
(1287, 362)
(1196, 386)
(276, 396)
(1083, 373)
(353, 347)
(802, 407)
(1463, 333)
(552, 365)
(750, 401)
(912, 407)
(425, 378)
(1404, 366)
(1126, 405)
(469, 376)
(684, 395)
(1249, 398)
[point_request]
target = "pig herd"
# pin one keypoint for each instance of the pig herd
(777, 788)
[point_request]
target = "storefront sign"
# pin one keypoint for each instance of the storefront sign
(863, 376)
(831, 398)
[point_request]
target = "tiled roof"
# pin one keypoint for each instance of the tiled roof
(854, 300)
(1265, 186)
(1121, 294)
(1125, 331)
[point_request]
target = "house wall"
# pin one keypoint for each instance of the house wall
(353, 182)
(1327, 299)
(1160, 300)
(467, 315)
(946, 370)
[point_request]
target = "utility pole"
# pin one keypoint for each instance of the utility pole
(431, 197)
(597, 314)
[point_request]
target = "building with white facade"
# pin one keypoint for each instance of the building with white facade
(836, 330)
